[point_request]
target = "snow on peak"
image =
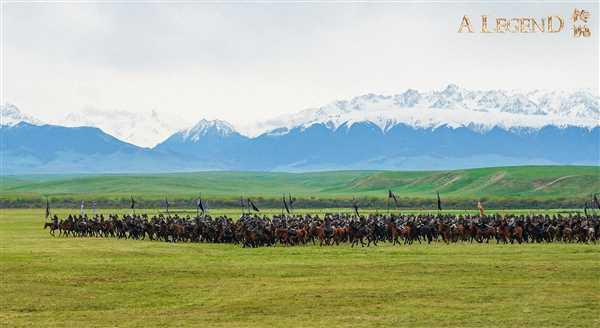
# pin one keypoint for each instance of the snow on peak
(142, 129)
(452, 106)
(10, 115)
(205, 127)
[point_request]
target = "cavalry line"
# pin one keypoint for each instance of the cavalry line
(334, 228)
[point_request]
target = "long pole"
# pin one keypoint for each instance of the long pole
(388, 205)
(242, 204)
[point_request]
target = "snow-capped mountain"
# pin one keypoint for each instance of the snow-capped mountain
(450, 128)
(10, 115)
(452, 106)
(206, 142)
(206, 127)
(447, 129)
(141, 129)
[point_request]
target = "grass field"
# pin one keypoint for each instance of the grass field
(516, 183)
(106, 282)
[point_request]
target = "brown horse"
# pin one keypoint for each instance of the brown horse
(300, 237)
(356, 235)
(502, 233)
(340, 235)
(485, 233)
(444, 230)
(65, 228)
(458, 232)
(319, 231)
(250, 239)
(282, 236)
(177, 232)
(393, 232)
(567, 235)
(471, 232)
(52, 225)
(518, 234)
(406, 232)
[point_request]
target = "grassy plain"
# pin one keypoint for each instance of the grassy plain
(512, 184)
(77, 282)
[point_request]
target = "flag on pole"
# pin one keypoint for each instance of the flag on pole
(47, 208)
(291, 201)
(355, 206)
(251, 203)
(199, 204)
(439, 202)
(287, 209)
(481, 209)
(167, 204)
(81, 207)
(132, 203)
(585, 208)
(392, 196)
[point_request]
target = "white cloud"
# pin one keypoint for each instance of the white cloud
(247, 62)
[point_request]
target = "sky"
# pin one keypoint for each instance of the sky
(245, 62)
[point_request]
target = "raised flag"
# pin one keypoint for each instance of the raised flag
(439, 202)
(355, 206)
(47, 208)
(200, 205)
(251, 203)
(291, 201)
(391, 195)
(481, 209)
(287, 209)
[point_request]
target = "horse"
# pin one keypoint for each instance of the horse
(356, 234)
(52, 225)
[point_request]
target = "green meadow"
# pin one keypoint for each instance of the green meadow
(500, 187)
(94, 282)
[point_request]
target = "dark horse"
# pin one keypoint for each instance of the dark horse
(52, 225)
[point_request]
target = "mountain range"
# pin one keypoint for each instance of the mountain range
(141, 129)
(446, 129)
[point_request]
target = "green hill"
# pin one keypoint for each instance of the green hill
(570, 184)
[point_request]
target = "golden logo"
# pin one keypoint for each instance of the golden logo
(581, 29)
(548, 24)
